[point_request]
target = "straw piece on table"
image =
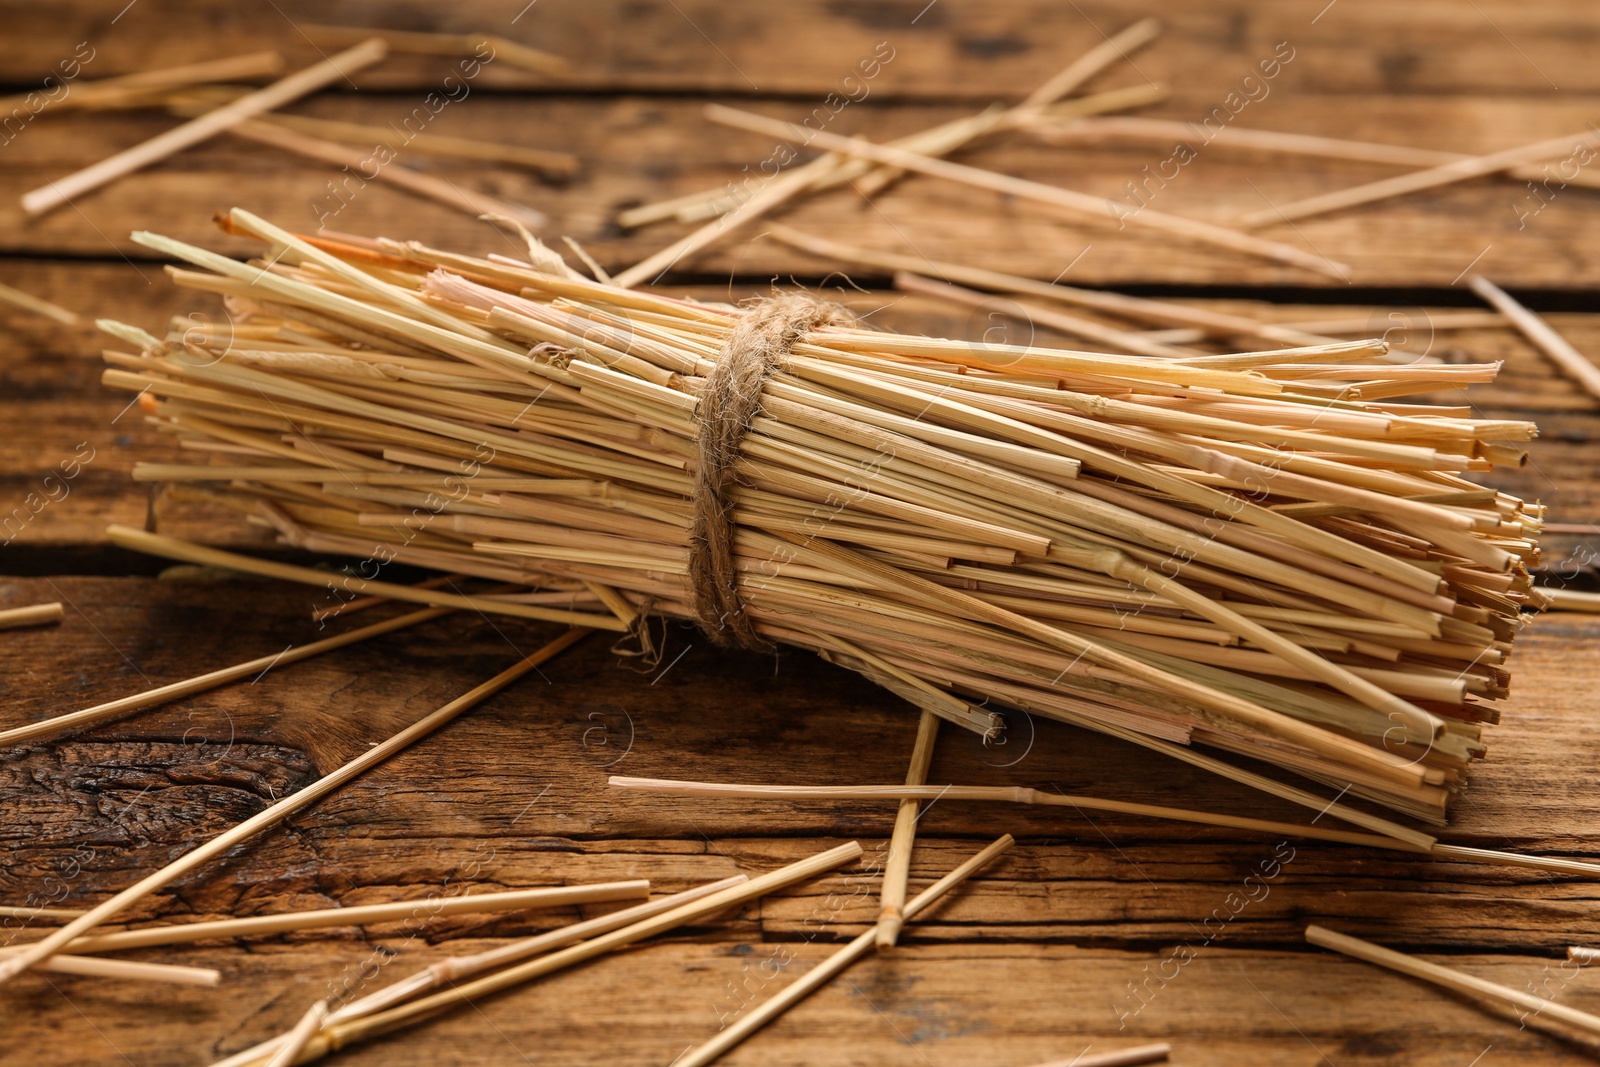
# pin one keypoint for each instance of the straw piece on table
(783, 188)
(342, 1034)
(1135, 307)
(1125, 128)
(132, 971)
(1116, 47)
(1007, 795)
(32, 615)
(295, 1041)
(545, 161)
(13, 911)
(73, 720)
(1097, 207)
(823, 972)
(54, 194)
(1450, 978)
(350, 607)
(1572, 599)
(1583, 955)
(1120, 340)
(870, 178)
(360, 915)
(37, 305)
(1577, 367)
(1023, 795)
(173, 548)
(276, 813)
(897, 869)
(454, 967)
(1126, 1057)
(367, 135)
(711, 203)
(140, 86)
(443, 44)
(1445, 174)
(360, 160)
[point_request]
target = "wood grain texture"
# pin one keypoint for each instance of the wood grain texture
(513, 796)
(1072, 940)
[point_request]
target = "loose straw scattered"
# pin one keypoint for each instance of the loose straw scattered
(1035, 314)
(869, 178)
(1140, 309)
(897, 868)
(57, 725)
(1165, 132)
(360, 915)
(544, 161)
(453, 968)
(141, 87)
(1450, 978)
(1445, 174)
(944, 140)
(1573, 363)
(32, 615)
(56, 193)
(359, 160)
(36, 952)
(339, 1035)
(511, 52)
(1253, 553)
(37, 305)
(1079, 203)
(822, 973)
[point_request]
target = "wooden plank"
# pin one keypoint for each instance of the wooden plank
(1000, 1004)
(1034, 958)
(948, 49)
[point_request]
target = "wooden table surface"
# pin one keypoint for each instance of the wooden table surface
(1071, 942)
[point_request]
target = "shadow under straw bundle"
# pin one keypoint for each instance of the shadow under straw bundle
(1252, 552)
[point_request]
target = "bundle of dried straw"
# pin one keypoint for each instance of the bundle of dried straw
(1260, 553)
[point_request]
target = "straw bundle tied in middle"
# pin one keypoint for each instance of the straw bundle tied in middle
(1260, 553)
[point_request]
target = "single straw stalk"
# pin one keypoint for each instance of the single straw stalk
(898, 866)
(1024, 795)
(1449, 978)
(31, 615)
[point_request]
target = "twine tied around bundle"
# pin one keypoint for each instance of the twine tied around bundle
(730, 399)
